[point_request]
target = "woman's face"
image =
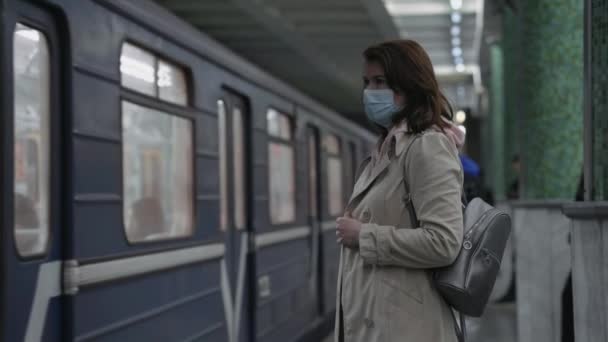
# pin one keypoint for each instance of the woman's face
(373, 78)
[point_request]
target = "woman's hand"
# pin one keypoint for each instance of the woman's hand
(348, 231)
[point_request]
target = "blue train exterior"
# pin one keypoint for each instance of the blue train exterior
(245, 278)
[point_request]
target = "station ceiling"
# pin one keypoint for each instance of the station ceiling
(316, 45)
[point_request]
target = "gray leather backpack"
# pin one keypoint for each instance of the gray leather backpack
(467, 283)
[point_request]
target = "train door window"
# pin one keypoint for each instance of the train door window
(334, 174)
(281, 165)
(157, 174)
(221, 112)
(238, 149)
(31, 75)
(238, 154)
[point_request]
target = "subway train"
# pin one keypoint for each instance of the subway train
(157, 187)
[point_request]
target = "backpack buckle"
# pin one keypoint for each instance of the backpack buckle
(467, 245)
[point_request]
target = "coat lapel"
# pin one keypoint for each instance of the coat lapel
(367, 178)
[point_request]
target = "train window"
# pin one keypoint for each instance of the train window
(281, 164)
(31, 75)
(278, 125)
(172, 83)
(334, 174)
(332, 145)
(137, 69)
(157, 174)
(239, 168)
(221, 112)
(143, 72)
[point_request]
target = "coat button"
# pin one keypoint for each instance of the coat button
(366, 216)
(369, 323)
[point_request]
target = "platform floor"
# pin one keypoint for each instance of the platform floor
(498, 324)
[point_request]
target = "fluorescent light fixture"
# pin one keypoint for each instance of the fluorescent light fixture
(456, 4)
(460, 67)
(455, 30)
(29, 34)
(456, 41)
(458, 60)
(461, 116)
(456, 52)
(426, 7)
(456, 18)
(417, 8)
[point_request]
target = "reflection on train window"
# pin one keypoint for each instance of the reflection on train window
(157, 174)
(143, 72)
(334, 174)
(31, 74)
(281, 168)
(221, 117)
(238, 133)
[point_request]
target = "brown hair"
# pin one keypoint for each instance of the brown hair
(408, 70)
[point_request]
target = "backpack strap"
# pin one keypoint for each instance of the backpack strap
(459, 324)
(408, 200)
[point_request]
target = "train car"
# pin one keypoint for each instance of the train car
(157, 187)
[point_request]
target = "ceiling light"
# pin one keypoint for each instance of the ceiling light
(461, 116)
(455, 30)
(456, 52)
(460, 67)
(456, 41)
(456, 4)
(456, 18)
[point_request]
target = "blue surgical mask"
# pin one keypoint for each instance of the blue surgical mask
(380, 106)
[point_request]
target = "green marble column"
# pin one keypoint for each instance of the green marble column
(496, 171)
(599, 86)
(552, 95)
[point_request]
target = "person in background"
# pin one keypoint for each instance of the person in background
(472, 181)
(384, 292)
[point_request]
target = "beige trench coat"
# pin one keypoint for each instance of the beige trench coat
(384, 287)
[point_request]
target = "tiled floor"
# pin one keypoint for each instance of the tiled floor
(498, 324)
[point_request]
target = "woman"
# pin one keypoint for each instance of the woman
(385, 292)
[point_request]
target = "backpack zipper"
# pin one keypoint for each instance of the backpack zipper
(467, 244)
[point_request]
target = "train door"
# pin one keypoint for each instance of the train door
(31, 235)
(314, 216)
(234, 213)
